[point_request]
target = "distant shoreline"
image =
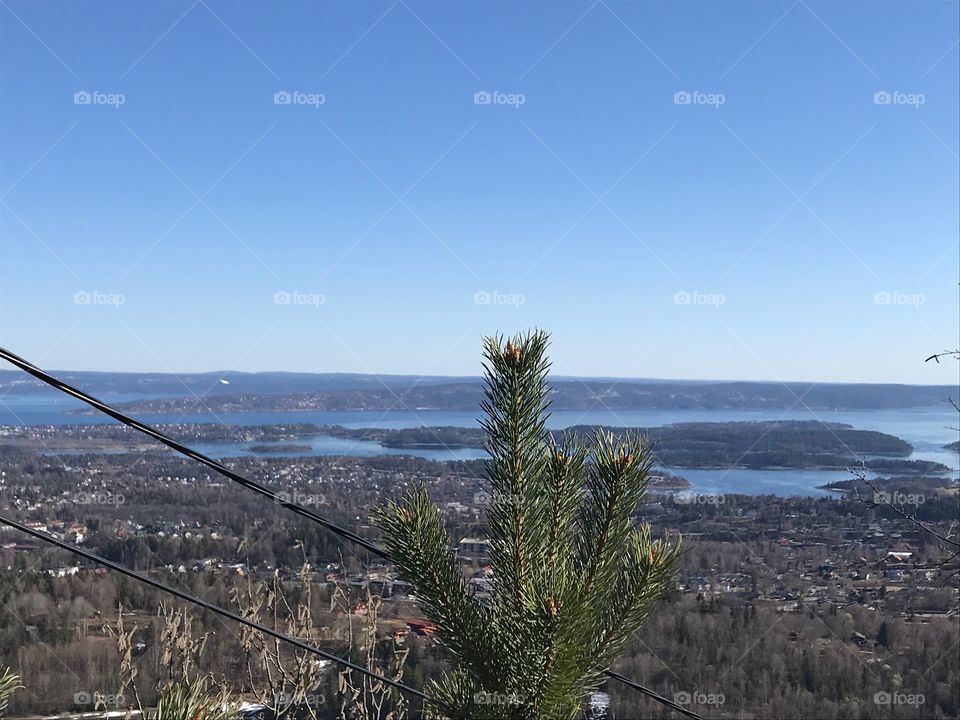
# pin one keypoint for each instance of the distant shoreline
(772, 446)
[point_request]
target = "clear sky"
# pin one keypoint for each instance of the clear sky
(777, 219)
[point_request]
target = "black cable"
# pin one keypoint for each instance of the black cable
(656, 696)
(256, 487)
(189, 452)
(223, 613)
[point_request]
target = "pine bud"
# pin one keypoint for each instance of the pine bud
(513, 354)
(553, 606)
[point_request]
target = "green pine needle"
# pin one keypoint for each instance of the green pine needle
(574, 576)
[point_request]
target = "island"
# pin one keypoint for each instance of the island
(751, 445)
(757, 445)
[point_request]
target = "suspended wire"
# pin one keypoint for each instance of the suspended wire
(209, 462)
(656, 696)
(190, 452)
(206, 605)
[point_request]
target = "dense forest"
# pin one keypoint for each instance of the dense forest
(729, 656)
(744, 622)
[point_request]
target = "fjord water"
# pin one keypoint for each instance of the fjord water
(927, 429)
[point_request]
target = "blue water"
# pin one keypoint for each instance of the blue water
(927, 429)
(327, 445)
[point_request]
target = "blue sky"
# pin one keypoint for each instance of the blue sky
(786, 223)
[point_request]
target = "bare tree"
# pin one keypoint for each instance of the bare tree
(282, 679)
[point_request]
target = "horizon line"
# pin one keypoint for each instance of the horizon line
(479, 378)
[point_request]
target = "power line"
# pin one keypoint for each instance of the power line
(656, 696)
(129, 421)
(189, 452)
(206, 605)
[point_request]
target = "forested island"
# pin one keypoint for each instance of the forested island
(887, 465)
(807, 444)
(756, 445)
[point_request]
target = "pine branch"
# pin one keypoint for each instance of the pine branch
(515, 405)
(415, 537)
(616, 482)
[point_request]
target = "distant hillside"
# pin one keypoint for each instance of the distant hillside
(237, 383)
(367, 392)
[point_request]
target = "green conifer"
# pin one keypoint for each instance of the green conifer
(574, 576)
